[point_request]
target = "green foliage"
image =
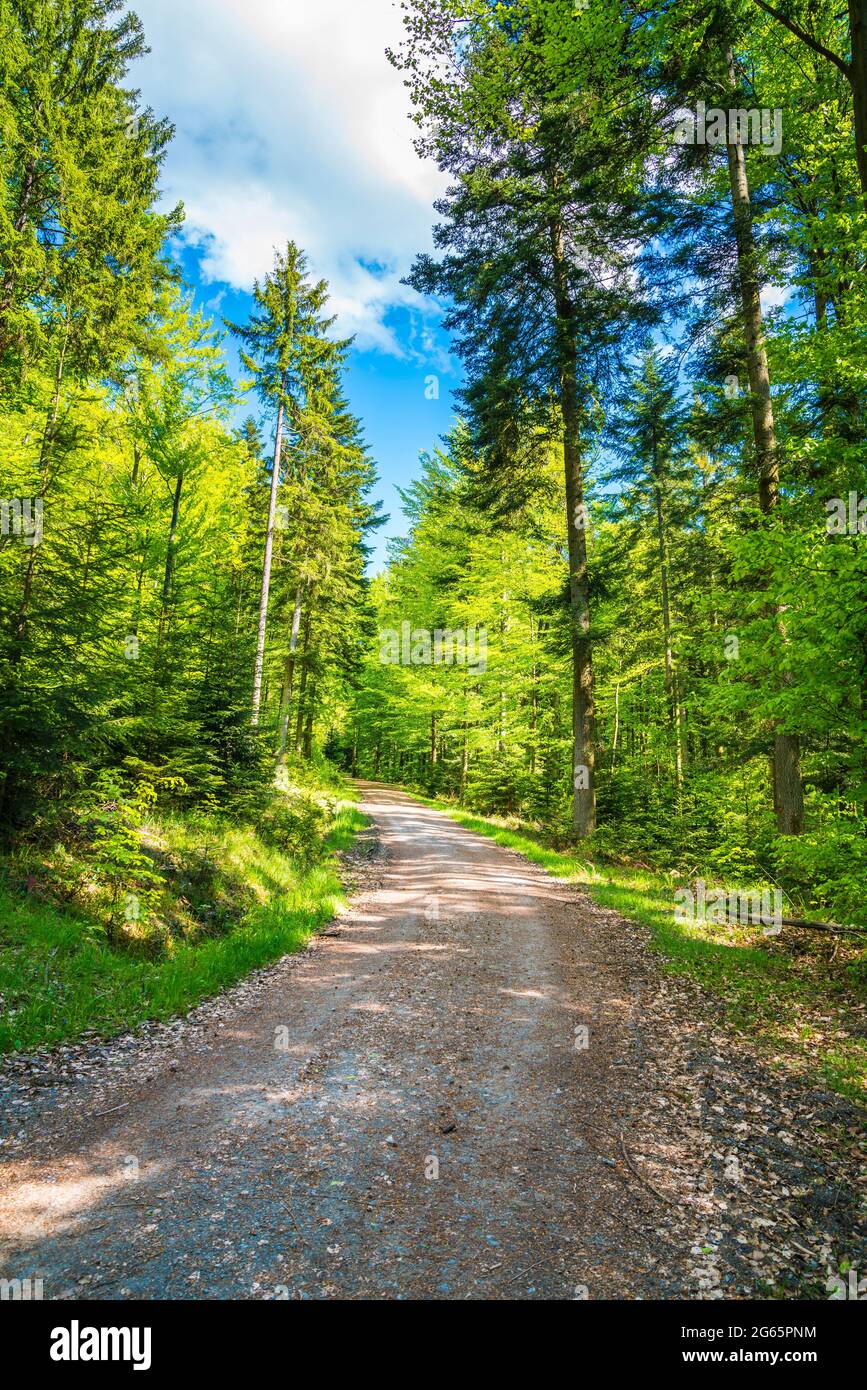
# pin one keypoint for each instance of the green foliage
(724, 612)
(295, 822)
(131, 772)
(110, 818)
(827, 867)
(80, 239)
(222, 899)
(633, 510)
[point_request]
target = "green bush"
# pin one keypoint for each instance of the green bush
(827, 867)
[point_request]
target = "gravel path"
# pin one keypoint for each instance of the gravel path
(473, 1085)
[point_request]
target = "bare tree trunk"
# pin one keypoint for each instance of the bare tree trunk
(266, 566)
(289, 674)
(583, 713)
(45, 452)
(787, 786)
(858, 79)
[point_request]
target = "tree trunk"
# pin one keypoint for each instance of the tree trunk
(787, 786)
(854, 70)
(670, 689)
(583, 713)
(266, 565)
(858, 80)
(45, 452)
(289, 675)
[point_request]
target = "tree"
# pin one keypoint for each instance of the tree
(803, 21)
(540, 229)
(290, 358)
(647, 433)
(188, 385)
(80, 239)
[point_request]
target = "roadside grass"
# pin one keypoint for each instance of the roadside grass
(801, 999)
(60, 976)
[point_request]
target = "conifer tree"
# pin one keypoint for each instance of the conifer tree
(290, 358)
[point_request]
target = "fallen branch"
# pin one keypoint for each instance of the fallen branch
(823, 926)
(287, 1202)
(641, 1178)
(832, 927)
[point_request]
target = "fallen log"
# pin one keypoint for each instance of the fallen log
(823, 926)
(831, 927)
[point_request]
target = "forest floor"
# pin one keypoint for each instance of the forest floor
(475, 1084)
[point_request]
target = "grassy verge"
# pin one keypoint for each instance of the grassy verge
(800, 999)
(61, 975)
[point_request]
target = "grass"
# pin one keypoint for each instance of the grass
(799, 1003)
(60, 977)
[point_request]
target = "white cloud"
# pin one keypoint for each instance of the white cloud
(291, 123)
(774, 297)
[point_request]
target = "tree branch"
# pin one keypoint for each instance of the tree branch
(817, 47)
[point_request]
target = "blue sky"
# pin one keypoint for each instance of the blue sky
(290, 123)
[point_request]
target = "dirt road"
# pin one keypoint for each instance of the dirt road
(431, 1102)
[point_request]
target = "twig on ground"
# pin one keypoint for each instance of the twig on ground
(287, 1202)
(641, 1178)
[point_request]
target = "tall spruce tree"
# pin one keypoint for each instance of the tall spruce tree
(539, 234)
(286, 349)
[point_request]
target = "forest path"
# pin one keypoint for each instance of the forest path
(424, 1127)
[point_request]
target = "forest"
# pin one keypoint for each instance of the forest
(652, 256)
(466, 902)
(627, 611)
